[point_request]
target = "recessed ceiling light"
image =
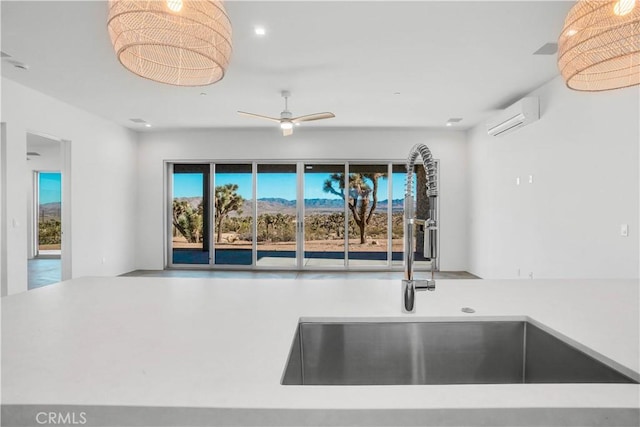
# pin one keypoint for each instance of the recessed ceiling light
(141, 122)
(259, 30)
(453, 121)
(18, 64)
(297, 124)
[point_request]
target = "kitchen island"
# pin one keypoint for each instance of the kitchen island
(184, 351)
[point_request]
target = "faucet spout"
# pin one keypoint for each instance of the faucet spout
(430, 225)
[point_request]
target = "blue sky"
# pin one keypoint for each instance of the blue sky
(50, 187)
(280, 185)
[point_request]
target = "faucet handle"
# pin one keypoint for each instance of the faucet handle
(431, 241)
(409, 289)
(425, 285)
(408, 296)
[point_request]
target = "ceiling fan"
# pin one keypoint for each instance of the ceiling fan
(287, 120)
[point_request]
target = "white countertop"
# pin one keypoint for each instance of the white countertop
(222, 343)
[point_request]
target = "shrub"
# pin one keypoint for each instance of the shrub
(50, 232)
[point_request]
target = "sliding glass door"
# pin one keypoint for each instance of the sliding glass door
(48, 214)
(295, 215)
(190, 217)
(233, 206)
(421, 209)
(324, 220)
(368, 206)
(277, 215)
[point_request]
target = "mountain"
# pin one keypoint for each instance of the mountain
(323, 205)
(278, 205)
(193, 201)
(50, 211)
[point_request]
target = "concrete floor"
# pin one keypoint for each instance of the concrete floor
(246, 274)
(43, 271)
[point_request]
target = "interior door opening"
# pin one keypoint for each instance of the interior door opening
(46, 165)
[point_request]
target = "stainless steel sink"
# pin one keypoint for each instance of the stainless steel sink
(465, 352)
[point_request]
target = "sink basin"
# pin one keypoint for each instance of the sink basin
(463, 352)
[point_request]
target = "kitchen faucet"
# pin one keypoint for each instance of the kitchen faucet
(430, 225)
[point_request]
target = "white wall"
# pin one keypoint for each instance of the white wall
(307, 143)
(3, 212)
(103, 183)
(583, 155)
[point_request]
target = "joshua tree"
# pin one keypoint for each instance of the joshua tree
(360, 194)
(227, 200)
(276, 227)
(188, 221)
(266, 220)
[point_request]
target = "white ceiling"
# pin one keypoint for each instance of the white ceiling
(446, 59)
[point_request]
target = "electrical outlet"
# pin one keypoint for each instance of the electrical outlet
(517, 180)
(531, 275)
(530, 179)
(624, 230)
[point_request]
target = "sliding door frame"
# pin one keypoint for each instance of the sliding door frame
(168, 215)
(300, 215)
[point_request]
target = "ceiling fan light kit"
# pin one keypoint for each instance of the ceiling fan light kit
(599, 47)
(286, 119)
(177, 42)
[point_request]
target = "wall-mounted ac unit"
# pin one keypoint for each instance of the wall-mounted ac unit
(520, 114)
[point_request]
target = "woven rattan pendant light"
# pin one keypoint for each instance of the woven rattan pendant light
(599, 47)
(179, 42)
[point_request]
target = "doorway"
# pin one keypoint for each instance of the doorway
(46, 160)
(48, 214)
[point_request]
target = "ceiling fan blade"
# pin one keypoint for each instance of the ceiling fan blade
(273, 119)
(316, 116)
(287, 132)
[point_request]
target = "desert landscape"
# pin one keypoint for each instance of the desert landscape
(328, 245)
